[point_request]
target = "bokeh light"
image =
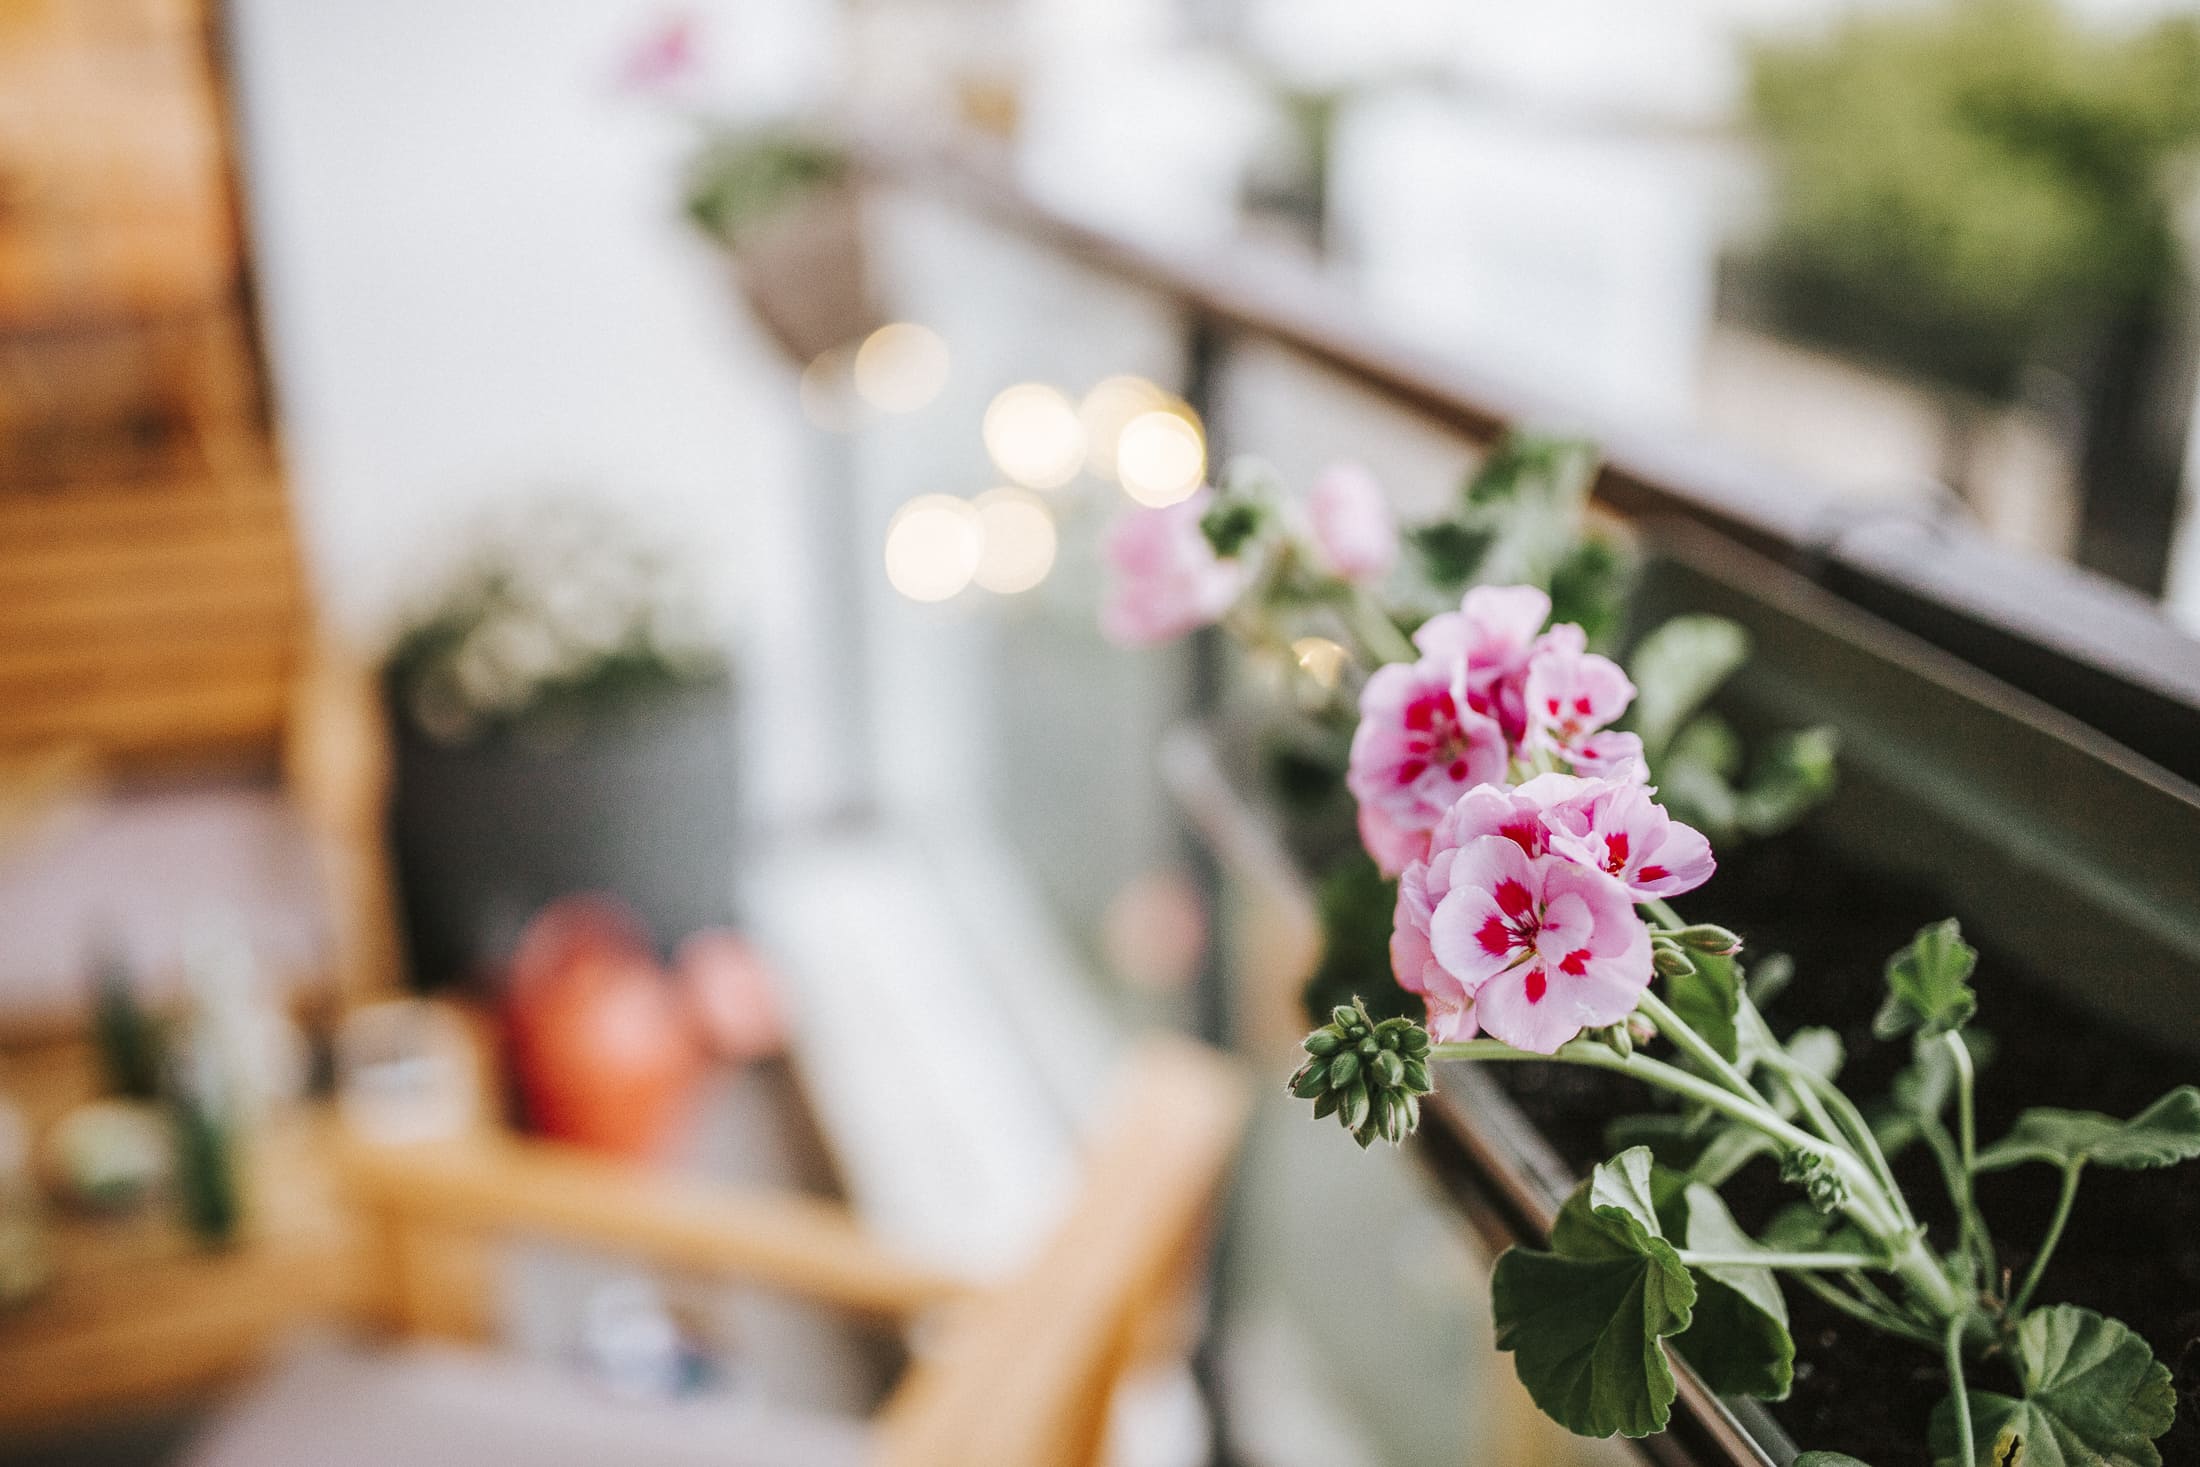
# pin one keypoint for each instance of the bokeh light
(1160, 457)
(1019, 541)
(933, 546)
(1108, 408)
(1033, 436)
(900, 367)
(1320, 659)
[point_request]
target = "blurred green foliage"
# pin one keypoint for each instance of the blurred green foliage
(741, 177)
(1976, 186)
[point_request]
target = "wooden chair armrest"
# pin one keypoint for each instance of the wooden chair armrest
(497, 1184)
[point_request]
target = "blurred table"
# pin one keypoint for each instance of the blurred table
(139, 1317)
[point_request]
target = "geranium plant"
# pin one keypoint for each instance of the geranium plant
(1537, 861)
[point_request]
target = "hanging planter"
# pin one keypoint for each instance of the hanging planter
(788, 208)
(1730, 1178)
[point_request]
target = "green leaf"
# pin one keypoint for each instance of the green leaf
(1708, 997)
(1609, 1215)
(2094, 1396)
(1929, 985)
(1450, 552)
(1584, 1323)
(1676, 668)
(1792, 775)
(2165, 1133)
(1828, 1459)
(1738, 1336)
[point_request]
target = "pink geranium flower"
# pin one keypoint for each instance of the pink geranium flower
(1571, 695)
(1167, 580)
(1492, 636)
(1417, 750)
(1543, 947)
(1355, 535)
(1522, 816)
(1626, 834)
(1393, 846)
(1614, 754)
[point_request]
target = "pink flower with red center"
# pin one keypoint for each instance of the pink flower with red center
(1355, 535)
(1523, 816)
(1543, 947)
(1417, 749)
(1626, 834)
(1492, 636)
(1614, 754)
(1571, 695)
(1166, 578)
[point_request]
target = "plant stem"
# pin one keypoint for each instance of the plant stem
(1795, 1262)
(1908, 1258)
(1696, 1047)
(1752, 1113)
(1858, 1129)
(1855, 1308)
(1379, 635)
(2071, 1173)
(1952, 1349)
(1977, 1239)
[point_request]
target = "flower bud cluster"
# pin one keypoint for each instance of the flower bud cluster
(1371, 1075)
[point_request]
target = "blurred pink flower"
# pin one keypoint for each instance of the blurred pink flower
(1355, 535)
(1544, 947)
(663, 58)
(1417, 750)
(1166, 579)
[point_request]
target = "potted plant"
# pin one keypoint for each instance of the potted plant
(1745, 1183)
(562, 722)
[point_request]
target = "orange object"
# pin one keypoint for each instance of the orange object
(602, 1047)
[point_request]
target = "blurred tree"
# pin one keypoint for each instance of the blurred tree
(1984, 186)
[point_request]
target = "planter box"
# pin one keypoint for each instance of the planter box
(2071, 864)
(637, 802)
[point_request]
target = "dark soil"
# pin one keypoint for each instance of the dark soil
(2132, 1250)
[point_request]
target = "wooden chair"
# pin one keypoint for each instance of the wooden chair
(1019, 1374)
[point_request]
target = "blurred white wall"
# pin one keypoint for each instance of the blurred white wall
(476, 285)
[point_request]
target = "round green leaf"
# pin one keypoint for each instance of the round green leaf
(2165, 1133)
(2094, 1396)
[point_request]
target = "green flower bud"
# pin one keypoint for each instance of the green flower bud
(1357, 1103)
(1369, 1075)
(1819, 1178)
(1670, 961)
(1706, 937)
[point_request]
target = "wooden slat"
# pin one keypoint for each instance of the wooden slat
(1023, 1378)
(222, 552)
(493, 1184)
